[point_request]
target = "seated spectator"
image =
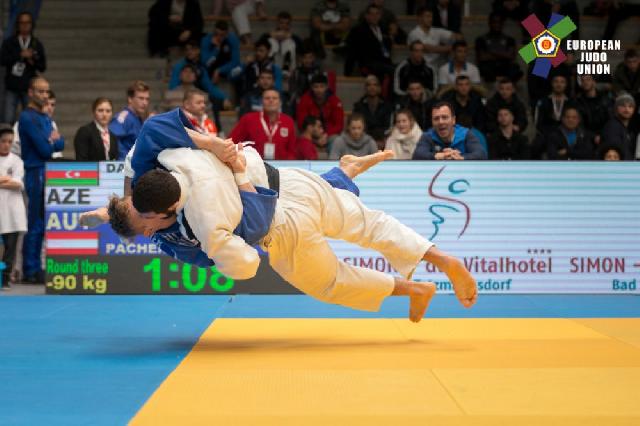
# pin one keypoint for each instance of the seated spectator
(203, 82)
(437, 41)
(413, 68)
(240, 11)
(548, 111)
(273, 132)
(94, 141)
(312, 138)
(496, 53)
(261, 61)
(252, 100)
(507, 142)
(12, 207)
(220, 53)
(446, 140)
(419, 101)
(617, 131)
(174, 97)
(506, 97)
(194, 106)
(369, 47)
(376, 111)
(610, 153)
(353, 140)
(405, 136)
(388, 23)
(446, 14)
(467, 102)
(127, 123)
(594, 105)
(173, 23)
(23, 57)
(300, 78)
(457, 66)
(330, 23)
(284, 44)
(569, 141)
(321, 103)
(626, 76)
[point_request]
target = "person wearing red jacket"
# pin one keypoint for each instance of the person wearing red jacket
(273, 132)
(321, 103)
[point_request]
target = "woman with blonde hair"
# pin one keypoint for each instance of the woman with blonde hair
(405, 135)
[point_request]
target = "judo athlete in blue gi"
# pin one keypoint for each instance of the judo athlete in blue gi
(126, 125)
(39, 141)
(208, 194)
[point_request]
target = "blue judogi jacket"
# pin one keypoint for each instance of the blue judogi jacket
(34, 128)
(126, 126)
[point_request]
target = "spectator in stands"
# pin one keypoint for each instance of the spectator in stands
(273, 132)
(458, 65)
(617, 131)
(50, 109)
(12, 209)
(594, 105)
(507, 142)
(194, 106)
(376, 111)
(220, 53)
(252, 100)
(548, 111)
(466, 101)
(240, 11)
(610, 153)
(330, 23)
(173, 23)
(94, 141)
(354, 140)
(369, 47)
(626, 77)
(261, 61)
(23, 57)
(284, 44)
(388, 23)
(321, 103)
(300, 79)
(203, 82)
(405, 135)
(570, 141)
(496, 53)
(173, 98)
(447, 140)
(127, 123)
(506, 97)
(437, 41)
(39, 141)
(419, 101)
(312, 135)
(446, 14)
(413, 68)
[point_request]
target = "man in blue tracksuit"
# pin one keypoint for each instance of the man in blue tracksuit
(39, 141)
(446, 140)
(220, 53)
(127, 123)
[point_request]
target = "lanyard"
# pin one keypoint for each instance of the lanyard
(269, 133)
(24, 44)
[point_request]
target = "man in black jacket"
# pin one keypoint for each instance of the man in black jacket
(419, 102)
(23, 57)
(570, 141)
(506, 97)
(413, 68)
(594, 106)
(619, 131)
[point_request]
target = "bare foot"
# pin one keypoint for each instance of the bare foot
(352, 166)
(420, 294)
(463, 283)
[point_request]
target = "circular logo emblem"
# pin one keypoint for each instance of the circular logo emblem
(546, 45)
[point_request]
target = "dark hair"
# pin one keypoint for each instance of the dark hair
(459, 43)
(573, 107)
(611, 146)
(371, 6)
(441, 104)
(222, 25)
(415, 80)
(193, 43)
(505, 80)
(137, 86)
(5, 130)
(52, 94)
(262, 42)
(356, 116)
(191, 67)
(266, 71)
(190, 93)
(21, 14)
(413, 43)
(422, 10)
(309, 120)
(630, 53)
(462, 77)
(100, 100)
(156, 191)
(284, 15)
(319, 78)
(118, 211)
(405, 111)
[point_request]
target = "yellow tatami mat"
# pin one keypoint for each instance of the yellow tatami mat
(390, 371)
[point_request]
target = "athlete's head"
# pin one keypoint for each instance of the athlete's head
(127, 222)
(156, 195)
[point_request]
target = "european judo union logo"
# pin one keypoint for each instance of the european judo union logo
(448, 203)
(545, 42)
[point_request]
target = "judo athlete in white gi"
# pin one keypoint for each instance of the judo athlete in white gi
(308, 210)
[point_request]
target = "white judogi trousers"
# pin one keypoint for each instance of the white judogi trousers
(309, 211)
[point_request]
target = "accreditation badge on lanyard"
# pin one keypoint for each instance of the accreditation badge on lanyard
(269, 146)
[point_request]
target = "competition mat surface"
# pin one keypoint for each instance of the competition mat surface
(154, 360)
